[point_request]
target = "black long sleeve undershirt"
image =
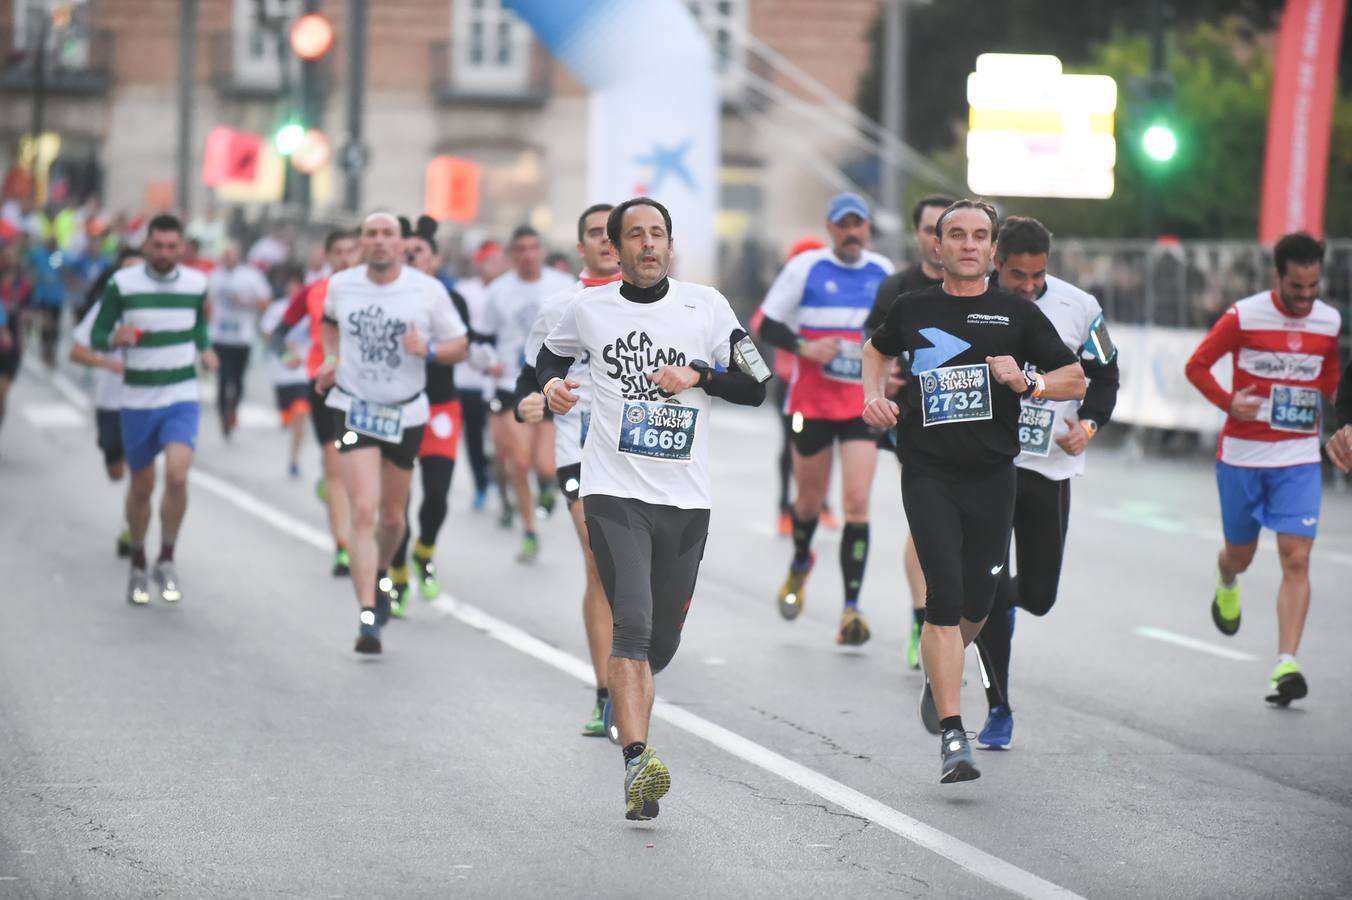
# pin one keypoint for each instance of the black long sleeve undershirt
(1343, 404)
(1100, 398)
(777, 334)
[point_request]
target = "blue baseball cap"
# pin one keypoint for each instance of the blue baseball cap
(844, 204)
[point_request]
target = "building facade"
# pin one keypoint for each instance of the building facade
(462, 78)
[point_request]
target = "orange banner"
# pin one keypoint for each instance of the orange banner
(1300, 118)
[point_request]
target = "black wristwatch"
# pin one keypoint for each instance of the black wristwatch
(704, 370)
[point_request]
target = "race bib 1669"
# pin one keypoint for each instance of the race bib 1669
(662, 431)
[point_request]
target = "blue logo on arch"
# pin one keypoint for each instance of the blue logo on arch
(945, 347)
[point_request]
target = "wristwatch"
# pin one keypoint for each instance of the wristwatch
(1090, 427)
(704, 370)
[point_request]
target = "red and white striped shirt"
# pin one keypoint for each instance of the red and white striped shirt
(1271, 349)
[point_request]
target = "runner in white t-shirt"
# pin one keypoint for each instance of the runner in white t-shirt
(514, 300)
(651, 344)
(383, 322)
(108, 367)
(237, 292)
(600, 266)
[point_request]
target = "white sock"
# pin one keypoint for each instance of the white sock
(1220, 576)
(1286, 658)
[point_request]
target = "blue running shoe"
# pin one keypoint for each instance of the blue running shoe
(999, 731)
(480, 499)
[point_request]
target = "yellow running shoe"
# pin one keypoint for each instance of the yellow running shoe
(792, 595)
(1287, 684)
(853, 629)
(1225, 607)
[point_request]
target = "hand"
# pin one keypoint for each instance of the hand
(1244, 405)
(821, 351)
(497, 369)
(1339, 449)
(561, 397)
(326, 376)
(1008, 372)
(125, 336)
(1075, 440)
(414, 343)
(210, 361)
(532, 407)
(674, 379)
(896, 379)
(291, 360)
(115, 366)
(879, 412)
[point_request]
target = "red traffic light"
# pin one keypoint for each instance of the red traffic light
(312, 36)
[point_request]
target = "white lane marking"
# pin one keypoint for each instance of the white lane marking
(1210, 535)
(980, 863)
(53, 415)
(1182, 640)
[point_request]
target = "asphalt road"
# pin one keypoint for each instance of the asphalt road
(235, 746)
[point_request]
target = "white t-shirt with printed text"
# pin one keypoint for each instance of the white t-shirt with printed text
(510, 311)
(234, 295)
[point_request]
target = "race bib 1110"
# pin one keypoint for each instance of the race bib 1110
(377, 420)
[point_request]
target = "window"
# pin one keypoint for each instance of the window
(724, 21)
(490, 48)
(67, 30)
(256, 32)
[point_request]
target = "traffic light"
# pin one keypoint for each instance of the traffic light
(311, 36)
(289, 138)
(1159, 142)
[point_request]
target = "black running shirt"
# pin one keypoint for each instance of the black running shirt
(944, 333)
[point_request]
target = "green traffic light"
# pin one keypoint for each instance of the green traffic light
(289, 138)
(1160, 143)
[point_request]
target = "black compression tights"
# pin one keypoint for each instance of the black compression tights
(436, 485)
(1041, 516)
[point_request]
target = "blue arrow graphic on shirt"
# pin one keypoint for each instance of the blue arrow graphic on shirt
(946, 346)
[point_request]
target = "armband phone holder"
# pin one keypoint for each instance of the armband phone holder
(747, 359)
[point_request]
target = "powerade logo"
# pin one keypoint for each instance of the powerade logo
(983, 319)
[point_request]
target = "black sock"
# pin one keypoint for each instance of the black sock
(602, 695)
(138, 556)
(634, 750)
(853, 558)
(802, 539)
(950, 722)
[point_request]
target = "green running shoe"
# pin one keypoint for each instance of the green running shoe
(1287, 684)
(646, 780)
(124, 544)
(399, 601)
(596, 725)
(913, 646)
(1225, 608)
(342, 564)
(530, 549)
(322, 490)
(426, 573)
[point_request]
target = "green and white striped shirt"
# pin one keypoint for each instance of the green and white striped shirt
(170, 310)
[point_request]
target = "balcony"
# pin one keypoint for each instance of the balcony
(456, 80)
(77, 61)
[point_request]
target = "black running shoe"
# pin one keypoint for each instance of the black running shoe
(955, 758)
(368, 633)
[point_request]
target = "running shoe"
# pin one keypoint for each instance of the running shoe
(322, 490)
(400, 596)
(929, 713)
(545, 503)
(596, 725)
(505, 517)
(785, 523)
(1287, 684)
(167, 580)
(293, 470)
(123, 544)
(385, 597)
(792, 595)
(1225, 607)
(853, 629)
(480, 499)
(646, 780)
(955, 758)
(342, 564)
(368, 633)
(913, 646)
(998, 732)
(138, 587)
(829, 521)
(426, 573)
(530, 549)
